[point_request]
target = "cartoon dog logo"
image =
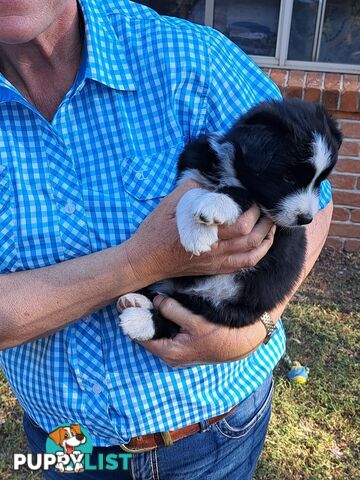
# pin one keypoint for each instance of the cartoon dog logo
(68, 438)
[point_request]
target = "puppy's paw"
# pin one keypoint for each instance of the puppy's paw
(216, 209)
(137, 323)
(133, 300)
(198, 238)
(59, 467)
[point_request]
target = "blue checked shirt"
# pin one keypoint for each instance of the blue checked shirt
(84, 182)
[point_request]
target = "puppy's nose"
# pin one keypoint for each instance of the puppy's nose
(304, 219)
(79, 436)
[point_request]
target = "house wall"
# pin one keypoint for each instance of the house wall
(341, 96)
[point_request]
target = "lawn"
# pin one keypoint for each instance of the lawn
(314, 427)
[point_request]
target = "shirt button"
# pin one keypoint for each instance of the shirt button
(69, 208)
(97, 389)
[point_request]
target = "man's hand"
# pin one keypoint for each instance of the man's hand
(155, 251)
(199, 341)
(202, 342)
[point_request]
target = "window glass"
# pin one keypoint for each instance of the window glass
(302, 33)
(253, 25)
(193, 10)
(340, 40)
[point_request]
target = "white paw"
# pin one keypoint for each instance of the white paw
(137, 323)
(199, 238)
(198, 213)
(216, 209)
(133, 300)
(60, 467)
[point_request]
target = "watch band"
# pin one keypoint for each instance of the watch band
(269, 325)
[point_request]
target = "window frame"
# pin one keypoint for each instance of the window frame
(280, 59)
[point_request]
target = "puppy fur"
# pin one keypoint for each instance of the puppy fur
(276, 156)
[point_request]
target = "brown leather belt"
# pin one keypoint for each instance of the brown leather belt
(144, 443)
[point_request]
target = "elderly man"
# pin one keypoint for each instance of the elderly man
(97, 99)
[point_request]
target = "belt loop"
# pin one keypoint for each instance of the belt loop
(204, 426)
(168, 441)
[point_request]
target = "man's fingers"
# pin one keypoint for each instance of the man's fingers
(251, 258)
(248, 242)
(163, 347)
(243, 226)
(174, 311)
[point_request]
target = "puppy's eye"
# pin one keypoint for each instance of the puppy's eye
(289, 180)
(66, 435)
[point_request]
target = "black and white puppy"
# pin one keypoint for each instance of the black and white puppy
(276, 156)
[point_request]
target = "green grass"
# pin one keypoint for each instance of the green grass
(313, 430)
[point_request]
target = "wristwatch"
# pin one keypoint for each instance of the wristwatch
(269, 326)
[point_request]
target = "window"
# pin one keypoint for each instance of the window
(331, 31)
(252, 25)
(301, 34)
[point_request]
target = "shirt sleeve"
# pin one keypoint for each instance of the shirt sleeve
(236, 85)
(325, 193)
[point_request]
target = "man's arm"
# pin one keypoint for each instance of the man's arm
(202, 342)
(36, 303)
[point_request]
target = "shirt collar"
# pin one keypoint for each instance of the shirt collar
(105, 53)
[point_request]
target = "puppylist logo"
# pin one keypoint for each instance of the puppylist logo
(68, 450)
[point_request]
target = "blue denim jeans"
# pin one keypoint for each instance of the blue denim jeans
(229, 449)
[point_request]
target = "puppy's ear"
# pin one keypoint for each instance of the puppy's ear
(56, 435)
(270, 115)
(331, 124)
(257, 149)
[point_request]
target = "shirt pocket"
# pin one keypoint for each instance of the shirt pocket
(8, 248)
(147, 179)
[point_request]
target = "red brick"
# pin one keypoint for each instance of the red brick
(295, 85)
(355, 216)
(314, 80)
(313, 86)
(350, 95)
(350, 129)
(352, 245)
(347, 165)
(350, 149)
(312, 95)
(297, 78)
(351, 82)
(347, 230)
(358, 184)
(341, 214)
(335, 243)
(331, 90)
(280, 78)
(346, 115)
(332, 81)
(351, 199)
(349, 101)
(346, 182)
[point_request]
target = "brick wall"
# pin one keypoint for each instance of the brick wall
(341, 95)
